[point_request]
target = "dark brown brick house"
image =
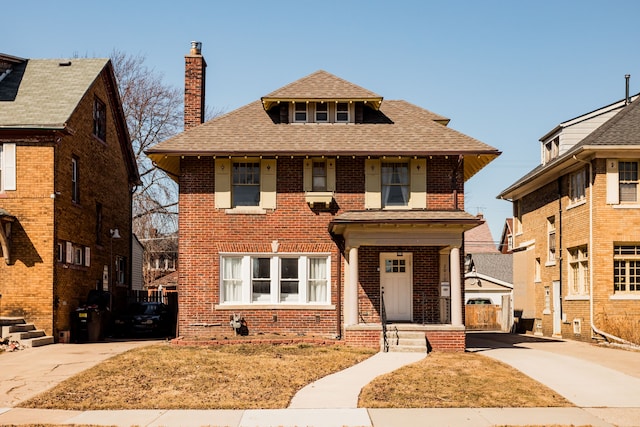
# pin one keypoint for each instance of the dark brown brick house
(301, 210)
(67, 173)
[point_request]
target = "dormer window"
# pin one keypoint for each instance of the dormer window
(551, 150)
(322, 112)
(342, 112)
(300, 112)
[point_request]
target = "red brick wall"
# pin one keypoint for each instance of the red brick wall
(205, 232)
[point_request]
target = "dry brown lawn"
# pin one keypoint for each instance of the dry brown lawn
(457, 380)
(222, 377)
(267, 376)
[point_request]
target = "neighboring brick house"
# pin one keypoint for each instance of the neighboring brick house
(577, 227)
(67, 173)
(297, 209)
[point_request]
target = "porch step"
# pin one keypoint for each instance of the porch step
(406, 341)
(15, 329)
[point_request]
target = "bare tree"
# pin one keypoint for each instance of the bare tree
(153, 111)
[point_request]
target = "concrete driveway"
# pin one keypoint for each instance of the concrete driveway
(25, 373)
(590, 376)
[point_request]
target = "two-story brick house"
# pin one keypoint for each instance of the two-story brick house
(300, 210)
(576, 234)
(67, 173)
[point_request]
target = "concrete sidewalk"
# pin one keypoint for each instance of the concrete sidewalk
(477, 417)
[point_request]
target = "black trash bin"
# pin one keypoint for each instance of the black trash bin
(88, 319)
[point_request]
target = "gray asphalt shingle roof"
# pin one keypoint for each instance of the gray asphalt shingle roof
(43, 93)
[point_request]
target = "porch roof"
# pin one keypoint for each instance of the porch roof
(410, 227)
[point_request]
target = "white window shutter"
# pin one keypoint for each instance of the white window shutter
(268, 184)
(613, 188)
(418, 177)
(331, 174)
(9, 166)
(223, 183)
(87, 257)
(372, 184)
(307, 174)
(69, 259)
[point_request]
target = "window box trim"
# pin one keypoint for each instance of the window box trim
(577, 298)
(576, 204)
(624, 296)
(270, 306)
(312, 197)
(246, 210)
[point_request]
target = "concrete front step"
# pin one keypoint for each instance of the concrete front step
(406, 341)
(16, 329)
(37, 342)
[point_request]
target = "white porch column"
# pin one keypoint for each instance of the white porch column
(456, 287)
(351, 291)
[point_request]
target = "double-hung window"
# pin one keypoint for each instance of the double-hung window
(322, 112)
(395, 184)
(551, 239)
(246, 184)
(342, 112)
(319, 175)
(626, 269)
(579, 271)
(628, 181)
(300, 112)
(275, 279)
(577, 186)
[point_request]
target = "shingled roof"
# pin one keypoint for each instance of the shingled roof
(402, 129)
(43, 93)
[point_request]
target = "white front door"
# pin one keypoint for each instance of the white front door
(557, 309)
(396, 285)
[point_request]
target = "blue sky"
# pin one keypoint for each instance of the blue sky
(504, 72)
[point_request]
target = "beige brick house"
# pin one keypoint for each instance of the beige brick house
(302, 211)
(576, 228)
(67, 173)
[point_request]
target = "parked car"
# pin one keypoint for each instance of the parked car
(150, 318)
(479, 301)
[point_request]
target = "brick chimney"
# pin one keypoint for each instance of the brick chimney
(194, 83)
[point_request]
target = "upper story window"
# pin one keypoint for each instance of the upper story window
(342, 112)
(395, 184)
(626, 269)
(401, 184)
(517, 216)
(628, 181)
(246, 184)
(551, 149)
(322, 112)
(577, 185)
(7, 166)
(551, 232)
(75, 180)
(99, 119)
(319, 175)
(300, 112)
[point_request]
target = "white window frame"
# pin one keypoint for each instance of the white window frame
(578, 271)
(275, 297)
(324, 110)
(631, 178)
(341, 112)
(626, 265)
(7, 167)
(300, 115)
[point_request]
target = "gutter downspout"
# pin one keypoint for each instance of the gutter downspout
(560, 250)
(594, 328)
